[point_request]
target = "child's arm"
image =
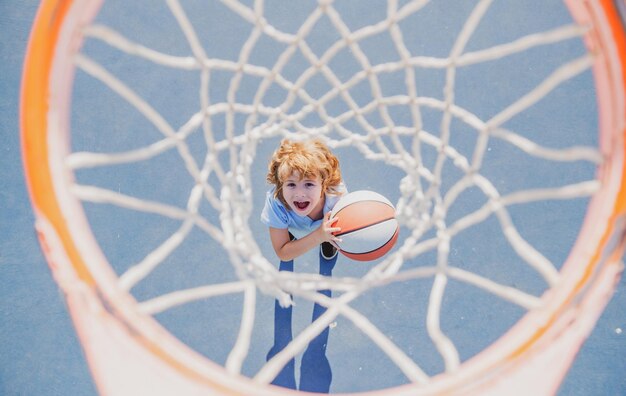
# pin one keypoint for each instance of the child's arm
(287, 249)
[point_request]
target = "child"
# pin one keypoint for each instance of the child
(306, 185)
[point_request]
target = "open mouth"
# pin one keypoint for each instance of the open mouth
(301, 205)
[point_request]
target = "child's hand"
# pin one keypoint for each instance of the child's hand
(327, 229)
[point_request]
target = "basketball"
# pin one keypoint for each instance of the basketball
(369, 228)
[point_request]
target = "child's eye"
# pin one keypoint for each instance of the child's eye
(291, 185)
(310, 184)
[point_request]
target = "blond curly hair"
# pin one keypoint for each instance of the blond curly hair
(310, 159)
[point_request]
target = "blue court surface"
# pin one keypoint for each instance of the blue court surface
(40, 353)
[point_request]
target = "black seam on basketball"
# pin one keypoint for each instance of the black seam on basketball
(361, 228)
(373, 250)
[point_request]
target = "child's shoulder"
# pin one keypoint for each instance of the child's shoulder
(274, 212)
(339, 190)
(271, 201)
(333, 197)
(270, 196)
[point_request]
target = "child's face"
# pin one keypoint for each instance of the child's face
(304, 196)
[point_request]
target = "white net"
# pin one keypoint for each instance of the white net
(320, 71)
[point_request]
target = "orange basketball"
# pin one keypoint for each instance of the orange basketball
(369, 228)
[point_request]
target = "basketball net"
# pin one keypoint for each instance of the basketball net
(129, 352)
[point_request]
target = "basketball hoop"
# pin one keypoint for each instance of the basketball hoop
(130, 352)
